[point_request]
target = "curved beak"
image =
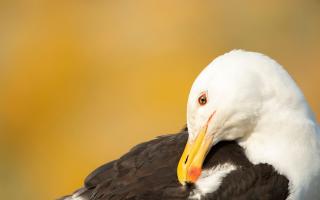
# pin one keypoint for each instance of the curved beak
(190, 164)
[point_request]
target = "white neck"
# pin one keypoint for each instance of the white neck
(288, 139)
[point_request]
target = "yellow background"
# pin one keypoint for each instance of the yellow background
(83, 81)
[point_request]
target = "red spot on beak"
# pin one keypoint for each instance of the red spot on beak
(194, 173)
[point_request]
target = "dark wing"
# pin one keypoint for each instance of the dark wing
(258, 182)
(148, 171)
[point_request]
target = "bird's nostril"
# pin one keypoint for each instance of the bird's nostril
(185, 162)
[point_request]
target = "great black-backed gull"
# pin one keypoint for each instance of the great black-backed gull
(250, 135)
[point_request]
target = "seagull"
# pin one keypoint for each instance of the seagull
(250, 135)
(249, 98)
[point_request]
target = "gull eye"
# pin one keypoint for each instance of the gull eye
(202, 100)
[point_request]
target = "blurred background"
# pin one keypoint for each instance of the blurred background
(81, 82)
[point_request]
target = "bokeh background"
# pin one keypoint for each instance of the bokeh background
(81, 82)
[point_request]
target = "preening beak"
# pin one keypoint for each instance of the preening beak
(190, 164)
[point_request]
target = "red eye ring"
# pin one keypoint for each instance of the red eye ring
(202, 100)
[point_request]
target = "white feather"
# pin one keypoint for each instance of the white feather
(210, 180)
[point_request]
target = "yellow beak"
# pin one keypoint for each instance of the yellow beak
(190, 164)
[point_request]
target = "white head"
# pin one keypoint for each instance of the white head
(228, 100)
